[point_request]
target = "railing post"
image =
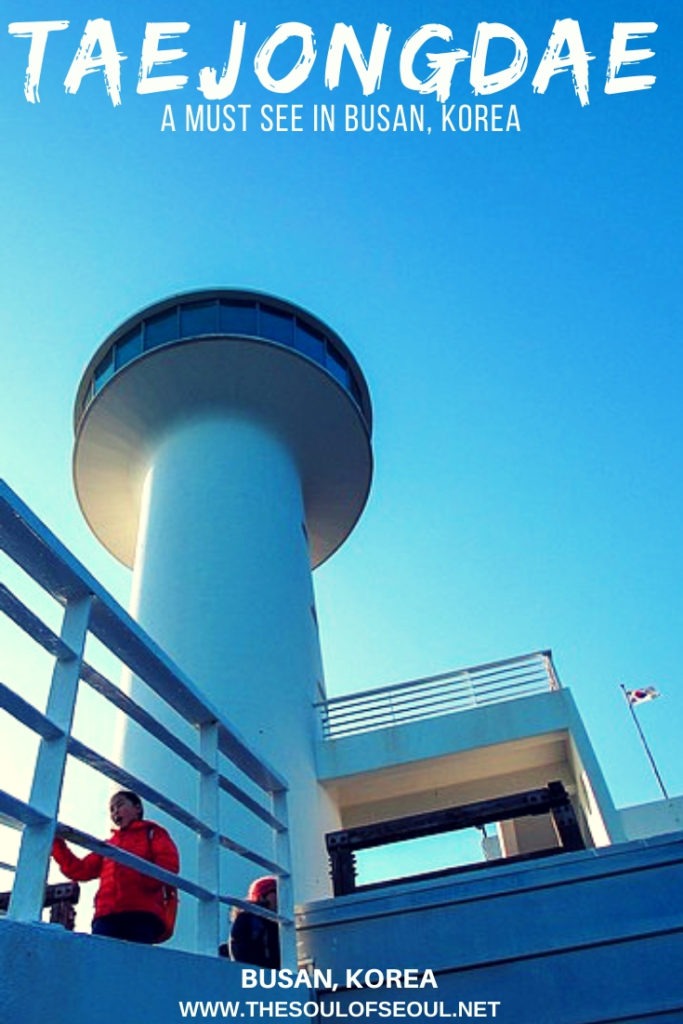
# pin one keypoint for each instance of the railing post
(208, 861)
(323, 713)
(453, 685)
(471, 688)
(392, 709)
(26, 903)
(554, 682)
(285, 894)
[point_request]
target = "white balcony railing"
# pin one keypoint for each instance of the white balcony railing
(216, 749)
(433, 696)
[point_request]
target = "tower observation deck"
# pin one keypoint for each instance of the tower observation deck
(170, 362)
(222, 451)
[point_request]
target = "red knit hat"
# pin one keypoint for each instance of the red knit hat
(260, 888)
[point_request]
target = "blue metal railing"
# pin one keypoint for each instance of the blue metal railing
(90, 611)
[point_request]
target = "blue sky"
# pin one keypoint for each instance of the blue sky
(513, 298)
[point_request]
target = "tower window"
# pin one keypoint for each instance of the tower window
(277, 326)
(238, 317)
(128, 347)
(104, 369)
(198, 318)
(161, 328)
(310, 342)
(337, 366)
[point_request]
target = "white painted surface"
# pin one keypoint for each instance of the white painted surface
(657, 818)
(595, 935)
(222, 581)
(477, 754)
(85, 979)
(545, 938)
(167, 387)
(221, 470)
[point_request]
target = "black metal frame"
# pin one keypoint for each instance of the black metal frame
(60, 898)
(553, 799)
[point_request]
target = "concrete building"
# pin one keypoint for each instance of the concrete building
(223, 451)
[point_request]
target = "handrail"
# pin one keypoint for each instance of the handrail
(32, 545)
(90, 610)
(437, 695)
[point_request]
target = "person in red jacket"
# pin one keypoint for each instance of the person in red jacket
(128, 904)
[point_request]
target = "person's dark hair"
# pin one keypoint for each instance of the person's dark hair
(128, 794)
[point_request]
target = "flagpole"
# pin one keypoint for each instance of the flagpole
(645, 743)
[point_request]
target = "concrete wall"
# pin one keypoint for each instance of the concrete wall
(657, 818)
(578, 938)
(594, 937)
(470, 755)
(48, 974)
(222, 581)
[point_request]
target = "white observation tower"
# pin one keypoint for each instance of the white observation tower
(223, 451)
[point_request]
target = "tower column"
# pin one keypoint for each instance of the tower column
(222, 581)
(223, 452)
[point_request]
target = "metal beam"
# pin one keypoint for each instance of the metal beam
(552, 799)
